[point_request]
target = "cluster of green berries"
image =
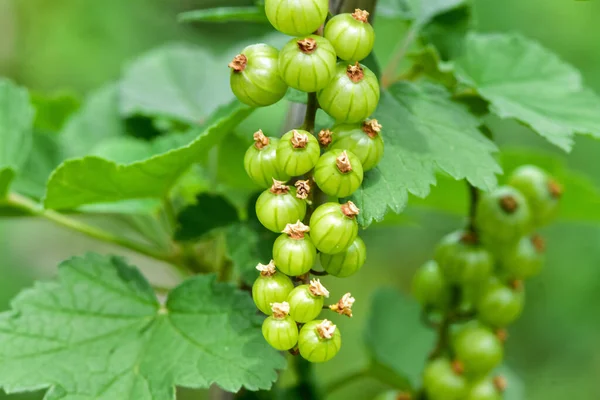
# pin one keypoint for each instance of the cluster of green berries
(479, 273)
(328, 66)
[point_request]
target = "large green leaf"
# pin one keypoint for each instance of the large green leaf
(52, 110)
(225, 14)
(16, 121)
(96, 180)
(525, 81)
(100, 333)
(208, 213)
(424, 130)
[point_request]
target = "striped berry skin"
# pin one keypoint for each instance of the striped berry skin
(368, 147)
(276, 210)
(351, 95)
(462, 259)
(338, 178)
(261, 164)
(304, 305)
(500, 305)
(351, 35)
(315, 348)
(307, 63)
(280, 333)
(332, 231)
(255, 79)
(346, 263)
(271, 289)
(294, 257)
(297, 152)
(297, 17)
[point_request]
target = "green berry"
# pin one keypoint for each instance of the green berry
(294, 252)
(500, 305)
(541, 191)
(442, 382)
(297, 152)
(270, 287)
(346, 263)
(319, 341)
(351, 35)
(487, 389)
(430, 288)
(278, 206)
(393, 395)
(364, 140)
(502, 217)
(462, 259)
(255, 78)
(280, 330)
(351, 95)
(478, 349)
(333, 227)
(306, 301)
(525, 259)
(307, 64)
(298, 17)
(338, 173)
(260, 161)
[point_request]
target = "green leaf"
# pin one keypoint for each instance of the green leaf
(423, 130)
(421, 11)
(53, 110)
(225, 14)
(16, 121)
(210, 212)
(178, 81)
(392, 342)
(447, 31)
(523, 80)
(96, 180)
(100, 333)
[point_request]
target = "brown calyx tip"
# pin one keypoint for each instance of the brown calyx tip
(325, 137)
(469, 237)
(556, 190)
(501, 383)
(296, 231)
(268, 269)
(279, 187)
(307, 45)
(502, 335)
(260, 140)
(509, 204)
(372, 128)
(516, 284)
(280, 310)
(458, 367)
(317, 288)
(350, 210)
(404, 396)
(344, 305)
(343, 163)
(302, 189)
(355, 72)
(361, 15)
(239, 62)
(299, 140)
(538, 243)
(326, 329)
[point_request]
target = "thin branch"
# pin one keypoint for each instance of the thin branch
(473, 200)
(312, 105)
(443, 331)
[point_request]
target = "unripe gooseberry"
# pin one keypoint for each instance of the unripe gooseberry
(347, 262)
(278, 206)
(293, 251)
(525, 259)
(351, 35)
(308, 63)
(364, 140)
(430, 288)
(319, 341)
(306, 301)
(333, 227)
(280, 330)
(270, 287)
(499, 305)
(297, 152)
(443, 381)
(260, 161)
(338, 173)
(462, 259)
(298, 17)
(478, 349)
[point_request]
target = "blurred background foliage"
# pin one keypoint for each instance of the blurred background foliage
(78, 45)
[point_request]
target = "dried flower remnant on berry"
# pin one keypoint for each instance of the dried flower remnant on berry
(349, 209)
(555, 189)
(344, 305)
(509, 204)
(355, 72)
(372, 128)
(469, 237)
(239, 62)
(325, 137)
(343, 163)
(299, 140)
(502, 335)
(260, 140)
(516, 284)
(307, 45)
(538, 243)
(458, 367)
(279, 187)
(302, 189)
(268, 269)
(326, 329)
(317, 288)
(361, 15)
(500, 383)
(296, 231)
(280, 310)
